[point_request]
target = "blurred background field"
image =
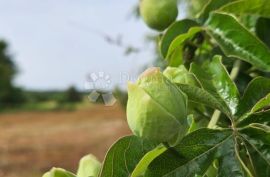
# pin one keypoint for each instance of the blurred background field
(33, 142)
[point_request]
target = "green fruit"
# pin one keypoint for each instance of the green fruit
(58, 172)
(156, 109)
(158, 14)
(89, 166)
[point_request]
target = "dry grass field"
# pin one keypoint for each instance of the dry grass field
(33, 142)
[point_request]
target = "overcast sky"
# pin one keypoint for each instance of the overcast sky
(58, 43)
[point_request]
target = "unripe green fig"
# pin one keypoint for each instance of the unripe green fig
(58, 172)
(180, 75)
(158, 14)
(156, 109)
(89, 166)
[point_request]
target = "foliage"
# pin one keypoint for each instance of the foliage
(43, 101)
(220, 61)
(72, 95)
(9, 94)
(43, 96)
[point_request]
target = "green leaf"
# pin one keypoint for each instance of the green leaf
(58, 172)
(229, 164)
(212, 171)
(212, 5)
(216, 80)
(175, 51)
(192, 124)
(199, 95)
(255, 98)
(177, 28)
(223, 84)
(261, 117)
(146, 160)
(262, 30)
(193, 155)
(258, 132)
(236, 41)
(124, 155)
(257, 140)
(248, 7)
(265, 102)
(176, 57)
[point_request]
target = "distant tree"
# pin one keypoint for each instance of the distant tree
(72, 95)
(9, 94)
(121, 96)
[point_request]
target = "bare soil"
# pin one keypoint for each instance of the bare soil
(33, 142)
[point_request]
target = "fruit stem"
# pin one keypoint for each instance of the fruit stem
(235, 70)
(214, 119)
